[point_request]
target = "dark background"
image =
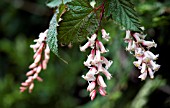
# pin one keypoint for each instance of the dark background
(21, 21)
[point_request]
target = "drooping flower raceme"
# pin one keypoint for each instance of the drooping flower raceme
(95, 62)
(138, 46)
(41, 58)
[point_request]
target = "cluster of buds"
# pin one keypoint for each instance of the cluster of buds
(41, 58)
(139, 47)
(95, 62)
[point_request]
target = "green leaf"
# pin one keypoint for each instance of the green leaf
(62, 10)
(52, 36)
(123, 13)
(78, 23)
(56, 3)
(52, 33)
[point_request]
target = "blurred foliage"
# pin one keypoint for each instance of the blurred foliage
(22, 20)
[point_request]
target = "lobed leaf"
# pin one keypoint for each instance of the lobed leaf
(78, 23)
(122, 11)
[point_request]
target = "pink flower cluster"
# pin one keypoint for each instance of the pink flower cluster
(95, 62)
(40, 62)
(146, 59)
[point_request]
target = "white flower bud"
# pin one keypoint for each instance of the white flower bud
(128, 36)
(136, 36)
(97, 57)
(90, 74)
(30, 72)
(37, 59)
(100, 81)
(149, 44)
(92, 3)
(107, 74)
(93, 94)
(108, 63)
(31, 87)
(139, 52)
(91, 86)
(152, 56)
(143, 67)
(101, 46)
(155, 66)
(83, 48)
(33, 65)
(105, 35)
(143, 75)
(102, 91)
(151, 73)
(129, 45)
(137, 63)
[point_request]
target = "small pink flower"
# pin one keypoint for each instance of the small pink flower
(129, 45)
(46, 53)
(34, 47)
(133, 47)
(91, 86)
(143, 75)
(105, 35)
(149, 44)
(137, 63)
(33, 65)
(146, 59)
(31, 87)
(90, 74)
(108, 63)
(143, 67)
(29, 80)
(139, 52)
(151, 73)
(100, 81)
(102, 91)
(151, 55)
(93, 94)
(30, 72)
(101, 46)
(83, 48)
(99, 67)
(142, 36)
(107, 74)
(137, 38)
(47, 49)
(44, 64)
(37, 59)
(39, 68)
(39, 79)
(90, 58)
(39, 51)
(155, 66)
(41, 38)
(35, 76)
(24, 84)
(92, 39)
(22, 89)
(97, 57)
(128, 36)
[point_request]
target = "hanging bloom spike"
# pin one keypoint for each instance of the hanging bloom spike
(95, 63)
(145, 58)
(40, 62)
